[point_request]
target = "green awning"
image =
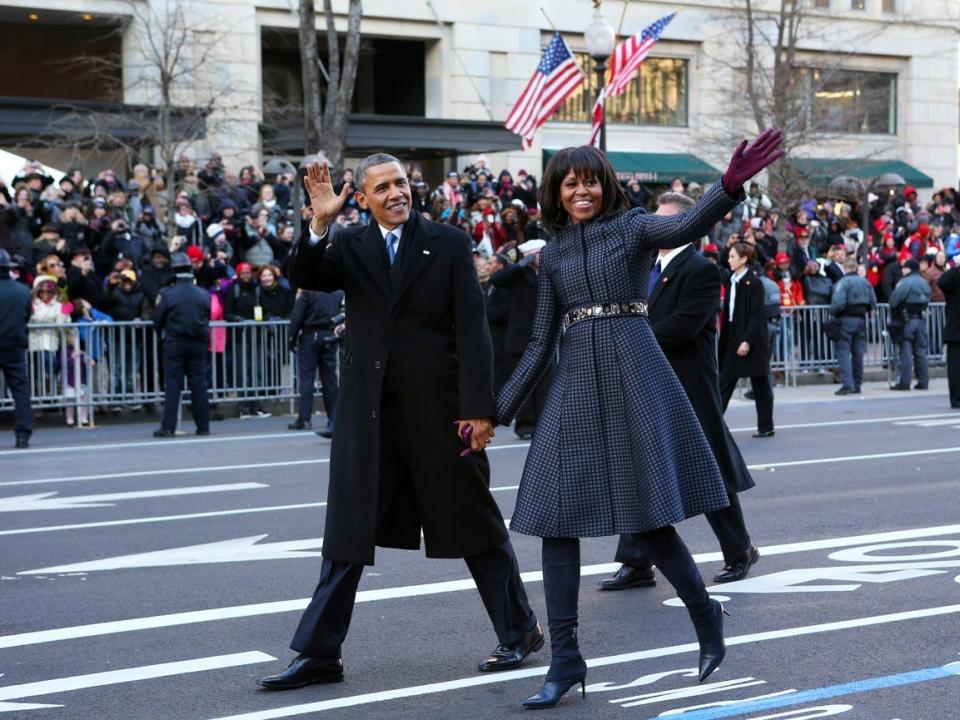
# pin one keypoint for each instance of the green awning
(820, 171)
(658, 168)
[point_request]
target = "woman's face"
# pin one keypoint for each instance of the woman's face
(246, 274)
(580, 197)
(267, 278)
(46, 293)
(266, 193)
(735, 260)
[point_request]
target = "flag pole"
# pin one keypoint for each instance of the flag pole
(623, 16)
(549, 21)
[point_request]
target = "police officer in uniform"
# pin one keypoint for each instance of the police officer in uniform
(312, 324)
(183, 316)
(853, 298)
(15, 310)
(910, 298)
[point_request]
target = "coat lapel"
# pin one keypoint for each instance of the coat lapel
(370, 253)
(672, 269)
(419, 252)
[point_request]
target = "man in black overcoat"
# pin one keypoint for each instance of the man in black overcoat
(949, 282)
(683, 315)
(521, 280)
(416, 373)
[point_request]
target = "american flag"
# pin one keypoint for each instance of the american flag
(631, 52)
(597, 119)
(557, 75)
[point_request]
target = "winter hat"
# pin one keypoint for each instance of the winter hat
(214, 230)
(161, 250)
(909, 190)
(194, 253)
(180, 260)
(226, 203)
(244, 266)
(781, 257)
(148, 210)
(912, 264)
(4, 259)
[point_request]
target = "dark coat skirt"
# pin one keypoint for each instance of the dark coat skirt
(618, 449)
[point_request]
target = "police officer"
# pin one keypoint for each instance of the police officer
(853, 298)
(15, 310)
(182, 314)
(312, 324)
(910, 299)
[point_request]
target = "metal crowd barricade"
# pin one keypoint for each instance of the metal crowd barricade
(117, 365)
(802, 347)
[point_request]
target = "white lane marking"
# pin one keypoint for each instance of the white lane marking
(126, 675)
(281, 606)
(50, 500)
(861, 421)
(475, 681)
(187, 516)
(159, 444)
(20, 707)
(955, 420)
(849, 458)
(204, 469)
(241, 549)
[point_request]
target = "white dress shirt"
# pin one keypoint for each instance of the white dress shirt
(664, 260)
(398, 231)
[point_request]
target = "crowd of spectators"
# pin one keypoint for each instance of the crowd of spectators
(98, 248)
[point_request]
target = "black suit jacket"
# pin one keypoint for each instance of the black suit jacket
(427, 329)
(749, 324)
(683, 315)
(521, 281)
(949, 282)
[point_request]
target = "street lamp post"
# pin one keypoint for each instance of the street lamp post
(600, 41)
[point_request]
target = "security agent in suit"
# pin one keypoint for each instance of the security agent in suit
(312, 322)
(182, 314)
(949, 283)
(910, 299)
(15, 310)
(743, 338)
(521, 279)
(416, 359)
(853, 297)
(683, 303)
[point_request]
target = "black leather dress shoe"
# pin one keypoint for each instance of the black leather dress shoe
(507, 657)
(740, 569)
(299, 424)
(326, 434)
(22, 443)
(629, 577)
(163, 433)
(202, 432)
(764, 434)
(899, 387)
(303, 671)
(918, 386)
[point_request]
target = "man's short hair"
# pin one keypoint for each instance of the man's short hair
(850, 264)
(675, 198)
(360, 173)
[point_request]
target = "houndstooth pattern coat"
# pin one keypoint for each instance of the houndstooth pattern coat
(618, 448)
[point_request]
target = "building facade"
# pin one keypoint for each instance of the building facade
(437, 79)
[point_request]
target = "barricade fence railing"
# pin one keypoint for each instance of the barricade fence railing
(120, 364)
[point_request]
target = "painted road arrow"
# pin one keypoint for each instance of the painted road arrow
(241, 549)
(52, 501)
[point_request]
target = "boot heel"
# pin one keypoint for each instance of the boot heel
(583, 689)
(724, 611)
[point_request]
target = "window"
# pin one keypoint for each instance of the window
(821, 3)
(656, 96)
(889, 6)
(850, 101)
(858, 4)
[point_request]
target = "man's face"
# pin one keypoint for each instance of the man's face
(160, 261)
(839, 255)
(246, 274)
(386, 194)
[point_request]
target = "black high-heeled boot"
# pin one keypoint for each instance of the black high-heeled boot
(561, 586)
(671, 556)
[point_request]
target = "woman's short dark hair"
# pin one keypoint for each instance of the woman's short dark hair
(586, 162)
(746, 251)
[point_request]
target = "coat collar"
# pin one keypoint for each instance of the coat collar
(419, 237)
(370, 250)
(672, 269)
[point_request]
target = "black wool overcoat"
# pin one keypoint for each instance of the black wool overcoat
(428, 329)
(749, 324)
(949, 283)
(683, 316)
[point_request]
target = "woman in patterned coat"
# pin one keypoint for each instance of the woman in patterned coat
(618, 448)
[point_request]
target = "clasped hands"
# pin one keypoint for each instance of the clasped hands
(476, 434)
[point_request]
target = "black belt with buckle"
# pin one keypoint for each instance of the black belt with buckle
(596, 311)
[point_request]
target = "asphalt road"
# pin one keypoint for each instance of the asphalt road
(145, 579)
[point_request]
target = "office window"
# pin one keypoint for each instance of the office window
(657, 95)
(821, 3)
(858, 4)
(889, 6)
(850, 101)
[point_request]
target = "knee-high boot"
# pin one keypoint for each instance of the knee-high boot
(671, 556)
(561, 587)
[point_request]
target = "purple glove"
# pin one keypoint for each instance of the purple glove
(750, 159)
(466, 434)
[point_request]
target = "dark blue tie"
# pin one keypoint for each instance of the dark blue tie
(654, 278)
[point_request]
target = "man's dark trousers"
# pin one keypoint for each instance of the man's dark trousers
(727, 524)
(185, 357)
(315, 351)
(850, 348)
(913, 351)
(324, 624)
(13, 363)
(953, 373)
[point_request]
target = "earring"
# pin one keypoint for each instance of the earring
(558, 204)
